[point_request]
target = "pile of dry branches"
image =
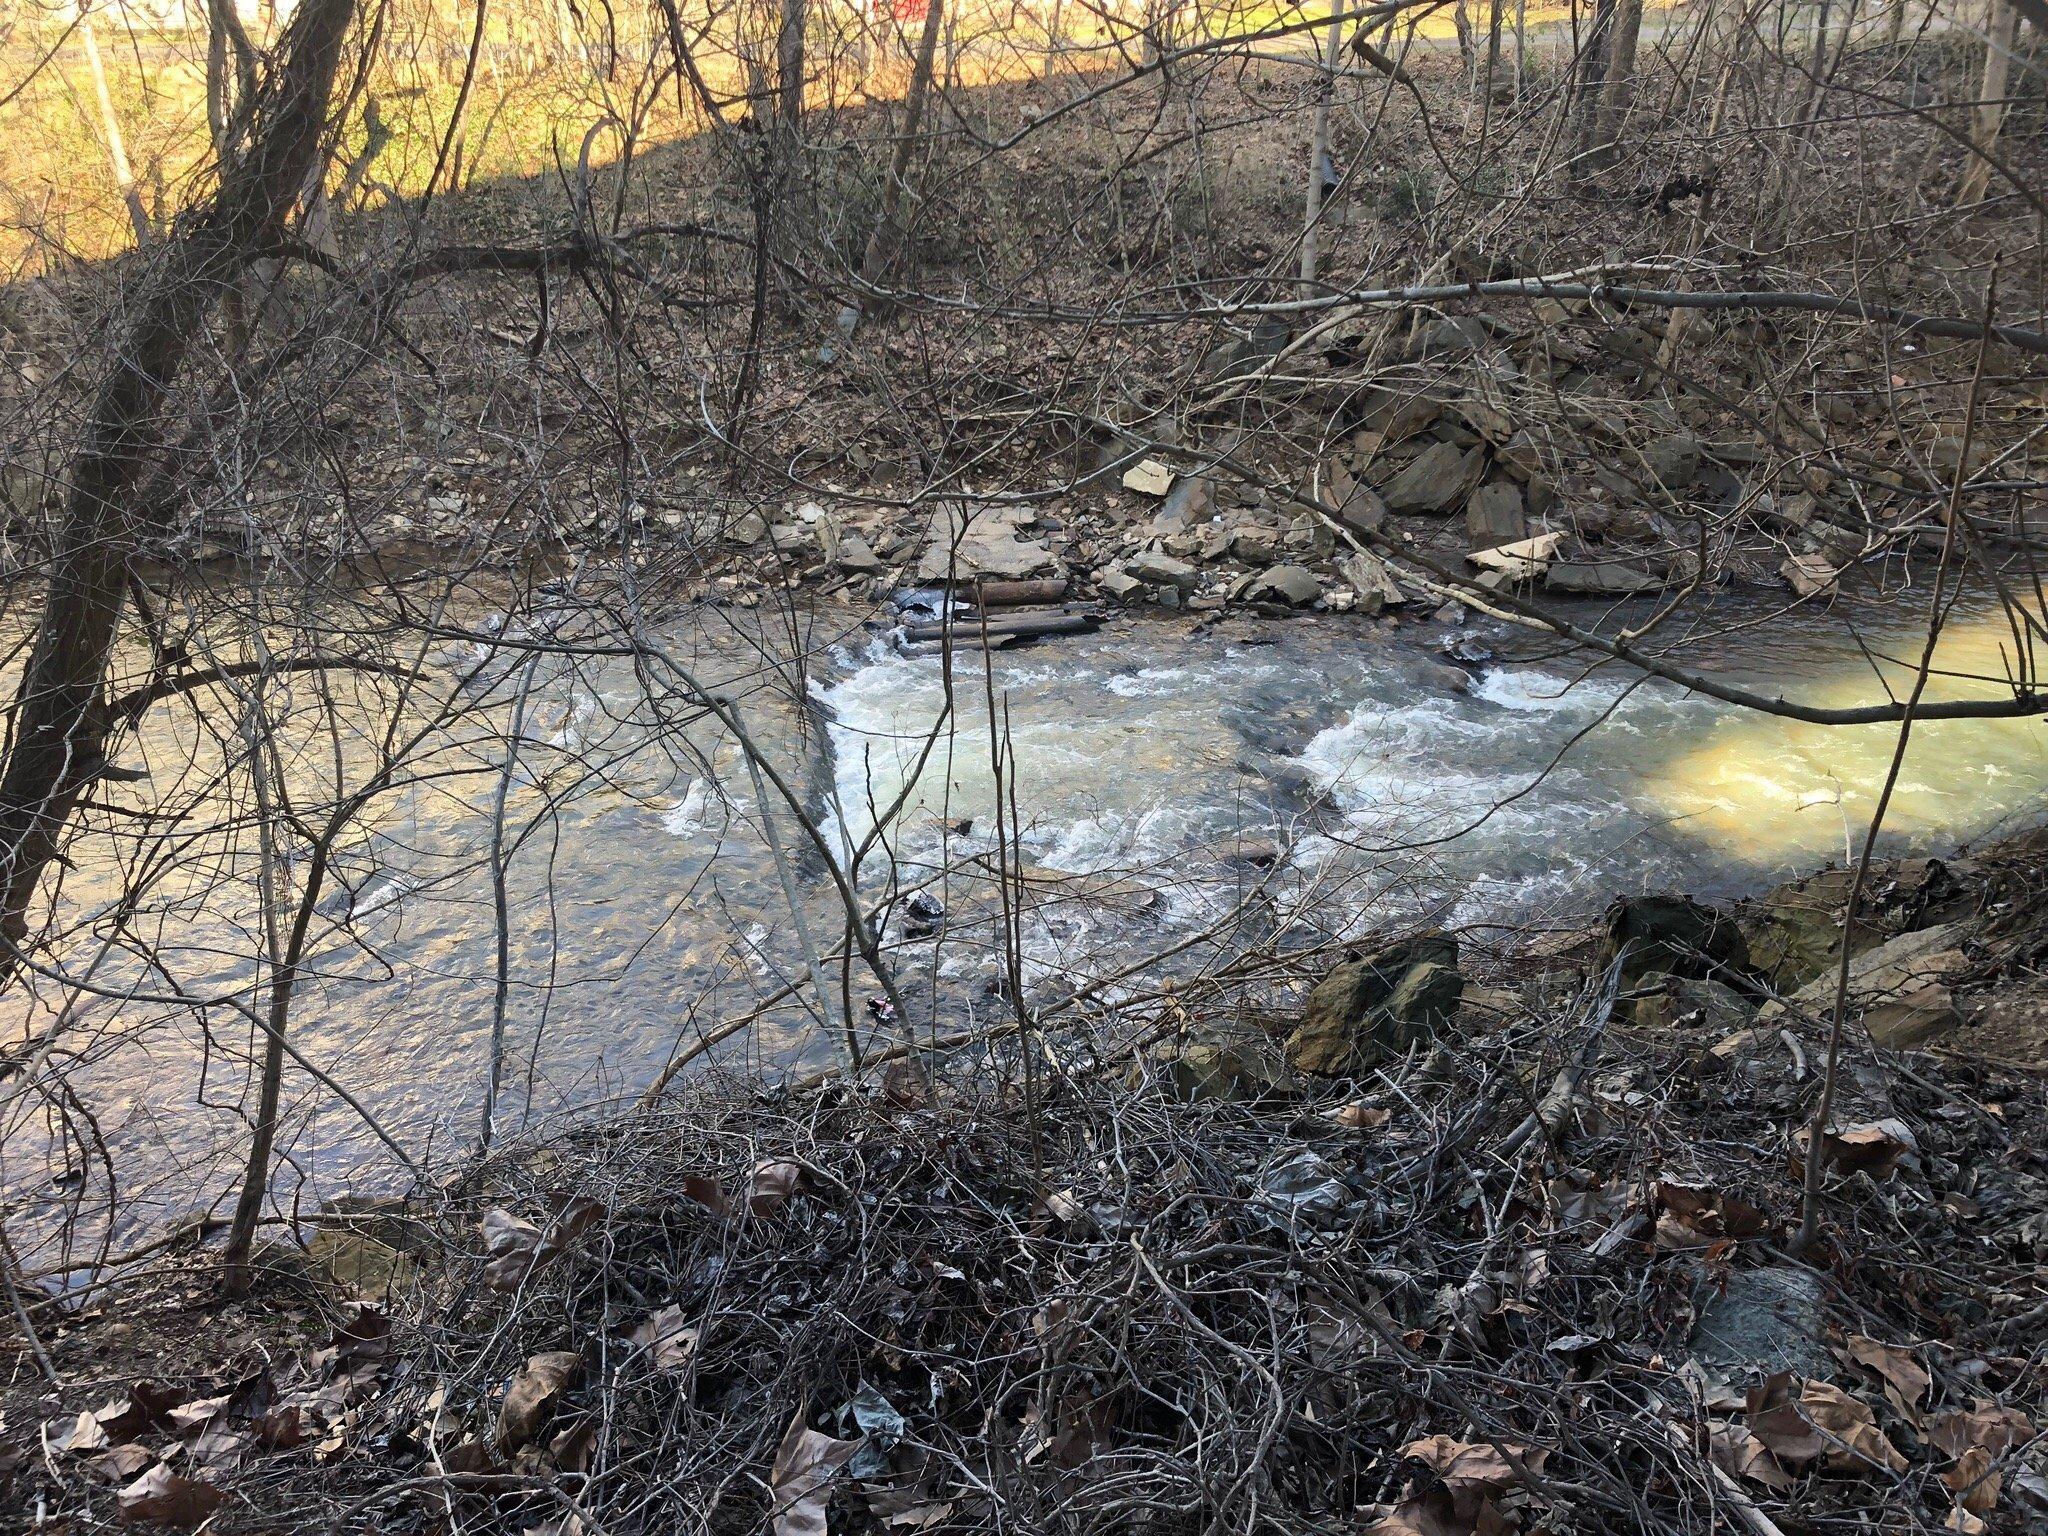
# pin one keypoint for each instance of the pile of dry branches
(1464, 1295)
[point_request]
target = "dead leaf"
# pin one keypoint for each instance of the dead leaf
(771, 1185)
(1465, 1464)
(1963, 1523)
(147, 1406)
(161, 1497)
(800, 1483)
(219, 1446)
(75, 1437)
(1875, 1147)
(1740, 1454)
(1707, 1211)
(124, 1463)
(532, 1395)
(1990, 1425)
(518, 1248)
(707, 1192)
(283, 1426)
(1061, 1206)
(1905, 1383)
(1777, 1423)
(198, 1413)
(364, 1335)
(669, 1339)
(907, 1509)
(1975, 1480)
(1359, 1116)
(1824, 1424)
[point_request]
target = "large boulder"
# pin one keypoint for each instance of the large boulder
(1436, 480)
(1357, 505)
(966, 542)
(1372, 1009)
(1157, 570)
(1294, 585)
(1221, 1065)
(1900, 988)
(1494, 515)
(1712, 1008)
(1675, 935)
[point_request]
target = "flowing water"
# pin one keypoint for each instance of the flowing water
(1322, 777)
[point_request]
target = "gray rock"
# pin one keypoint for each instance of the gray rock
(1673, 461)
(1453, 336)
(1767, 1321)
(1118, 582)
(1369, 1010)
(1157, 570)
(980, 541)
(1673, 934)
(1494, 515)
(1690, 1003)
(1188, 502)
(1437, 479)
(1372, 580)
(1237, 357)
(1605, 578)
(1357, 505)
(1294, 585)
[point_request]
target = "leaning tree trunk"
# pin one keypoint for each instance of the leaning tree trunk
(57, 733)
(888, 230)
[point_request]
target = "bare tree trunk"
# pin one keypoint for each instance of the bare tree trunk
(58, 729)
(789, 69)
(1593, 74)
(1319, 150)
(882, 242)
(1989, 118)
(1621, 75)
(110, 130)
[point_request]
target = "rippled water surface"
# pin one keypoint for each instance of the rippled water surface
(1157, 773)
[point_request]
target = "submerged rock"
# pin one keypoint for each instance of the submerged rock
(1373, 1009)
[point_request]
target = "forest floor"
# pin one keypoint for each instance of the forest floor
(1523, 1264)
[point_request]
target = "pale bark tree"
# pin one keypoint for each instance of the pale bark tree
(1988, 120)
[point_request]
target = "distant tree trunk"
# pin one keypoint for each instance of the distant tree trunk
(789, 69)
(1621, 74)
(58, 729)
(888, 232)
(1593, 75)
(1989, 118)
(110, 129)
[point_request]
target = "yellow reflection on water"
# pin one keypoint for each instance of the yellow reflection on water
(1778, 791)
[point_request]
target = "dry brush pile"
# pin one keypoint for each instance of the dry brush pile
(1529, 1280)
